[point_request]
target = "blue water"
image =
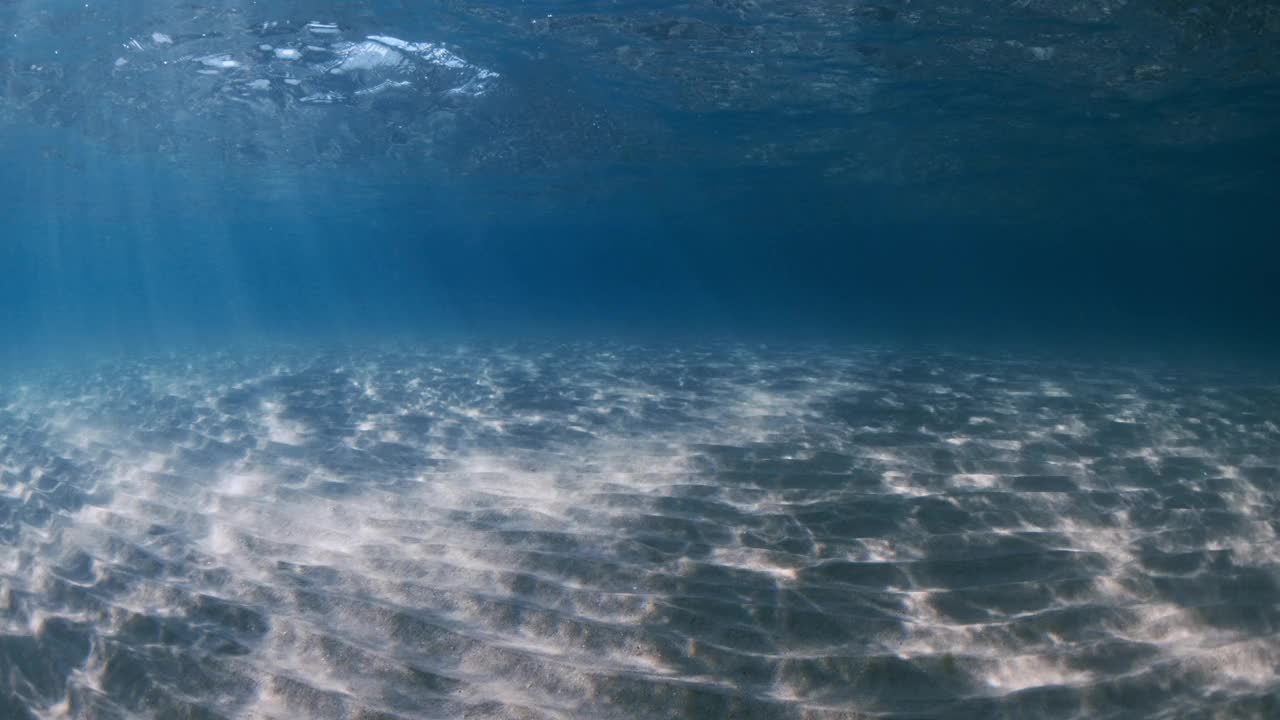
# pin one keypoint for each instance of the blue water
(717, 358)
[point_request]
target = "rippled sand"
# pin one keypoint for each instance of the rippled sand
(606, 531)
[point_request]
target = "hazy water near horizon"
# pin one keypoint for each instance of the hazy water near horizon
(1103, 168)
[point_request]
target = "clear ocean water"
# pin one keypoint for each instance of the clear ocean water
(605, 359)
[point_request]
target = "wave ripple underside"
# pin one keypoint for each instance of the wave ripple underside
(605, 531)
